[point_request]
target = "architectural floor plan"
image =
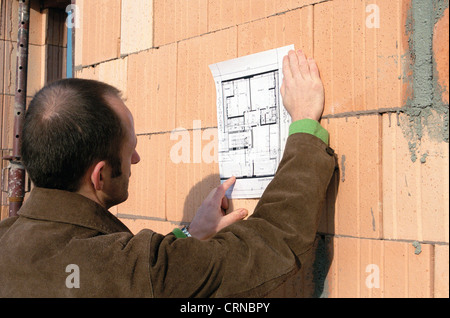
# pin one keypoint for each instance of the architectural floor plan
(252, 122)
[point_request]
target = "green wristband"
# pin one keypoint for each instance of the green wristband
(309, 126)
(183, 233)
(179, 233)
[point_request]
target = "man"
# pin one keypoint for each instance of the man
(78, 147)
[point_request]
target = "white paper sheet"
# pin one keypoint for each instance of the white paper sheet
(253, 124)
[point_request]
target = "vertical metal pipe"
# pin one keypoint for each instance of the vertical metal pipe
(69, 52)
(71, 23)
(16, 176)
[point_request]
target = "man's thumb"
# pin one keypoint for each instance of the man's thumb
(233, 217)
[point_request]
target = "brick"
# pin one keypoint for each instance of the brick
(112, 72)
(101, 42)
(390, 53)
(223, 13)
(346, 254)
(396, 272)
(179, 20)
(402, 273)
(441, 271)
(323, 51)
(78, 40)
(7, 126)
(4, 14)
(36, 68)
(196, 93)
(249, 204)
(188, 183)
(420, 270)
(415, 184)
(371, 263)
(260, 35)
(3, 70)
(37, 31)
(152, 89)
(434, 185)
(147, 188)
(441, 54)
(276, 31)
(89, 72)
(354, 203)
(9, 18)
(361, 66)
(136, 32)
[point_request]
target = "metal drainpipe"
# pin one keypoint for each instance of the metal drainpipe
(16, 171)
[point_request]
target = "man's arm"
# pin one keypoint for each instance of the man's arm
(252, 257)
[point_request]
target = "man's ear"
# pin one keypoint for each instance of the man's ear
(97, 178)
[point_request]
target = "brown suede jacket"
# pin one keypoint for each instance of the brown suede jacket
(65, 245)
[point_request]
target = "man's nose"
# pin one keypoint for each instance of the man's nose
(135, 158)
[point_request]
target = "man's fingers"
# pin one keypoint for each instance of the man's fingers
(227, 184)
(222, 189)
(232, 217)
(313, 69)
(293, 63)
(287, 68)
(303, 65)
(225, 204)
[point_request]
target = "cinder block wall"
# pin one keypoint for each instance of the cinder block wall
(384, 231)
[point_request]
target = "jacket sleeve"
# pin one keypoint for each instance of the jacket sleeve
(252, 257)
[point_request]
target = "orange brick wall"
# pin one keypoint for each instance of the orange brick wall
(384, 231)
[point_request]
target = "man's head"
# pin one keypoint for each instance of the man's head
(75, 128)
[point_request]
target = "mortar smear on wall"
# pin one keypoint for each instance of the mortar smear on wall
(426, 111)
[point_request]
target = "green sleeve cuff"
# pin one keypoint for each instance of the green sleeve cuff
(309, 126)
(179, 233)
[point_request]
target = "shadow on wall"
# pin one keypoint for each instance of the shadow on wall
(197, 195)
(310, 281)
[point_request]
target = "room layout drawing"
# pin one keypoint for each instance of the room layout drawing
(252, 121)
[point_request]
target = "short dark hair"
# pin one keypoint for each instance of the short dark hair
(68, 126)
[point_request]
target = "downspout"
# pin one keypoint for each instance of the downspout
(69, 51)
(16, 170)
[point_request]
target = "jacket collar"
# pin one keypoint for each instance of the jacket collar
(71, 208)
